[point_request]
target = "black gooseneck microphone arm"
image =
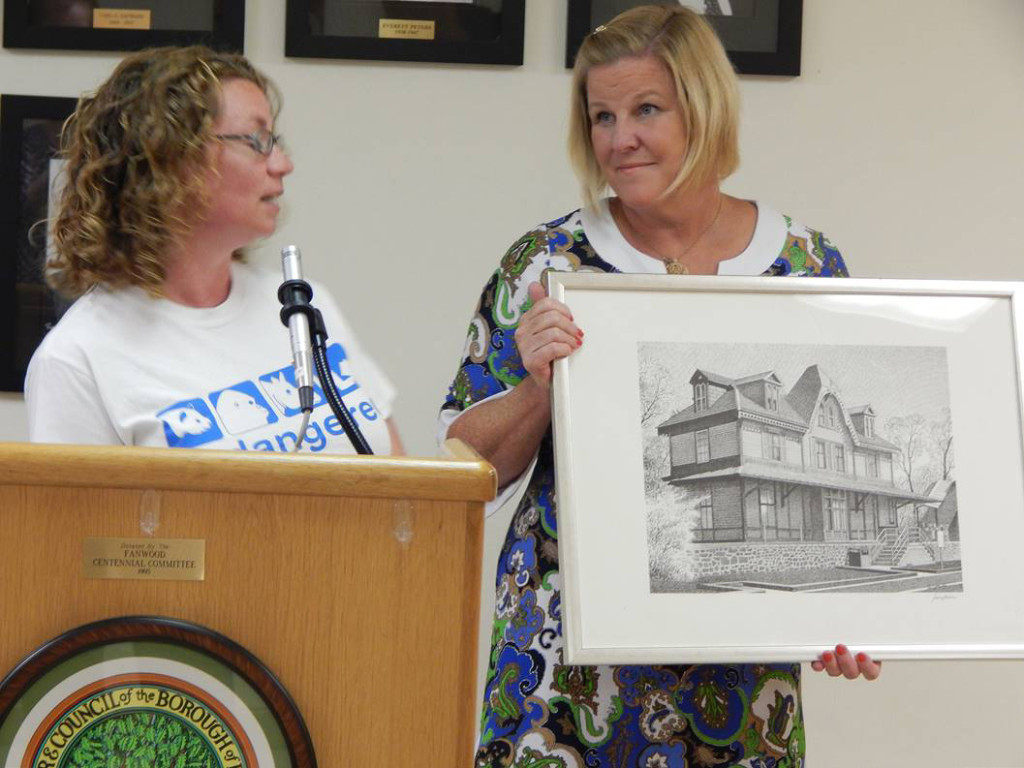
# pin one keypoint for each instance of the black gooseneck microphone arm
(295, 295)
(323, 371)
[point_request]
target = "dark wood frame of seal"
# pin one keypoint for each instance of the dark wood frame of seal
(175, 632)
(228, 32)
(14, 111)
(503, 45)
(784, 60)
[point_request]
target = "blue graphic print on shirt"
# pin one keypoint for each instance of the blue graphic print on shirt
(242, 408)
(283, 391)
(257, 413)
(189, 424)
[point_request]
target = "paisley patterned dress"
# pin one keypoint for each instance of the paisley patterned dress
(539, 712)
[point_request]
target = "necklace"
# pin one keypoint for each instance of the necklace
(675, 266)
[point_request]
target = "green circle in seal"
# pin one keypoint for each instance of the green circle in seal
(142, 739)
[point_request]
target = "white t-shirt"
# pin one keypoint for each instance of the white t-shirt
(123, 368)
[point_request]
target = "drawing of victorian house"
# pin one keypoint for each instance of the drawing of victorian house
(801, 467)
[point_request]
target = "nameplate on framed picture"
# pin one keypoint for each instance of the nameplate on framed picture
(452, 31)
(123, 25)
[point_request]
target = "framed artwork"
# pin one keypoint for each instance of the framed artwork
(30, 175)
(754, 469)
(762, 37)
(123, 25)
(148, 691)
(458, 31)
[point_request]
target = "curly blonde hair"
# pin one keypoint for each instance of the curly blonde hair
(136, 158)
(705, 86)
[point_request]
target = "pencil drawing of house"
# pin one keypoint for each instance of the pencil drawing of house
(801, 467)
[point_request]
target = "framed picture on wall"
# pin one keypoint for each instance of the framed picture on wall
(457, 31)
(762, 37)
(123, 25)
(30, 175)
(755, 469)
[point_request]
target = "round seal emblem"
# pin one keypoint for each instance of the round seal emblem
(144, 692)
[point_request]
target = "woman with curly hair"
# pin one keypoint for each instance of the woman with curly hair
(172, 168)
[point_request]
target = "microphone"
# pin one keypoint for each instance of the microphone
(294, 295)
(300, 316)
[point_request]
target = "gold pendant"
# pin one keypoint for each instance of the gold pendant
(673, 267)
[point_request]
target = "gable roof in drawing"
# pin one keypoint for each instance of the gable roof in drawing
(713, 378)
(764, 376)
(734, 400)
(805, 393)
(797, 407)
(812, 387)
(724, 404)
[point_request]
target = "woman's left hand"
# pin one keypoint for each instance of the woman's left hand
(849, 665)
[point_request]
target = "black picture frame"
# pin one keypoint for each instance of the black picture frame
(26, 26)
(29, 137)
(764, 40)
(475, 32)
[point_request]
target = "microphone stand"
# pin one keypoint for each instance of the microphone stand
(295, 295)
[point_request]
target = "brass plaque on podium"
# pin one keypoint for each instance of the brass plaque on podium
(161, 559)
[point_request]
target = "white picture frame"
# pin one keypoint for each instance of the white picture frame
(761, 571)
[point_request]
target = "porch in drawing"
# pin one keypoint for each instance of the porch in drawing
(790, 486)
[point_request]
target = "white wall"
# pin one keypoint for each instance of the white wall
(901, 140)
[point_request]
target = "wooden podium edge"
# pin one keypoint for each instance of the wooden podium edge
(463, 477)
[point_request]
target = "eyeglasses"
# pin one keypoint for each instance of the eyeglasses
(262, 141)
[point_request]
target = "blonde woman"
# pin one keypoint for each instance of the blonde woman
(654, 118)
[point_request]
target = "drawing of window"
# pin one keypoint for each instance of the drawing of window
(789, 517)
(871, 462)
(700, 396)
(703, 447)
(828, 414)
(838, 458)
(706, 507)
(771, 397)
(863, 517)
(820, 454)
(869, 426)
(835, 510)
(766, 503)
(771, 446)
(886, 515)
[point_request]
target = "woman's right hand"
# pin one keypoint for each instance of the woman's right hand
(507, 430)
(546, 333)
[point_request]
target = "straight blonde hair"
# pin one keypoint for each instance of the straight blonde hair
(705, 87)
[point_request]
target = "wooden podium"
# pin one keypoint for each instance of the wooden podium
(355, 580)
